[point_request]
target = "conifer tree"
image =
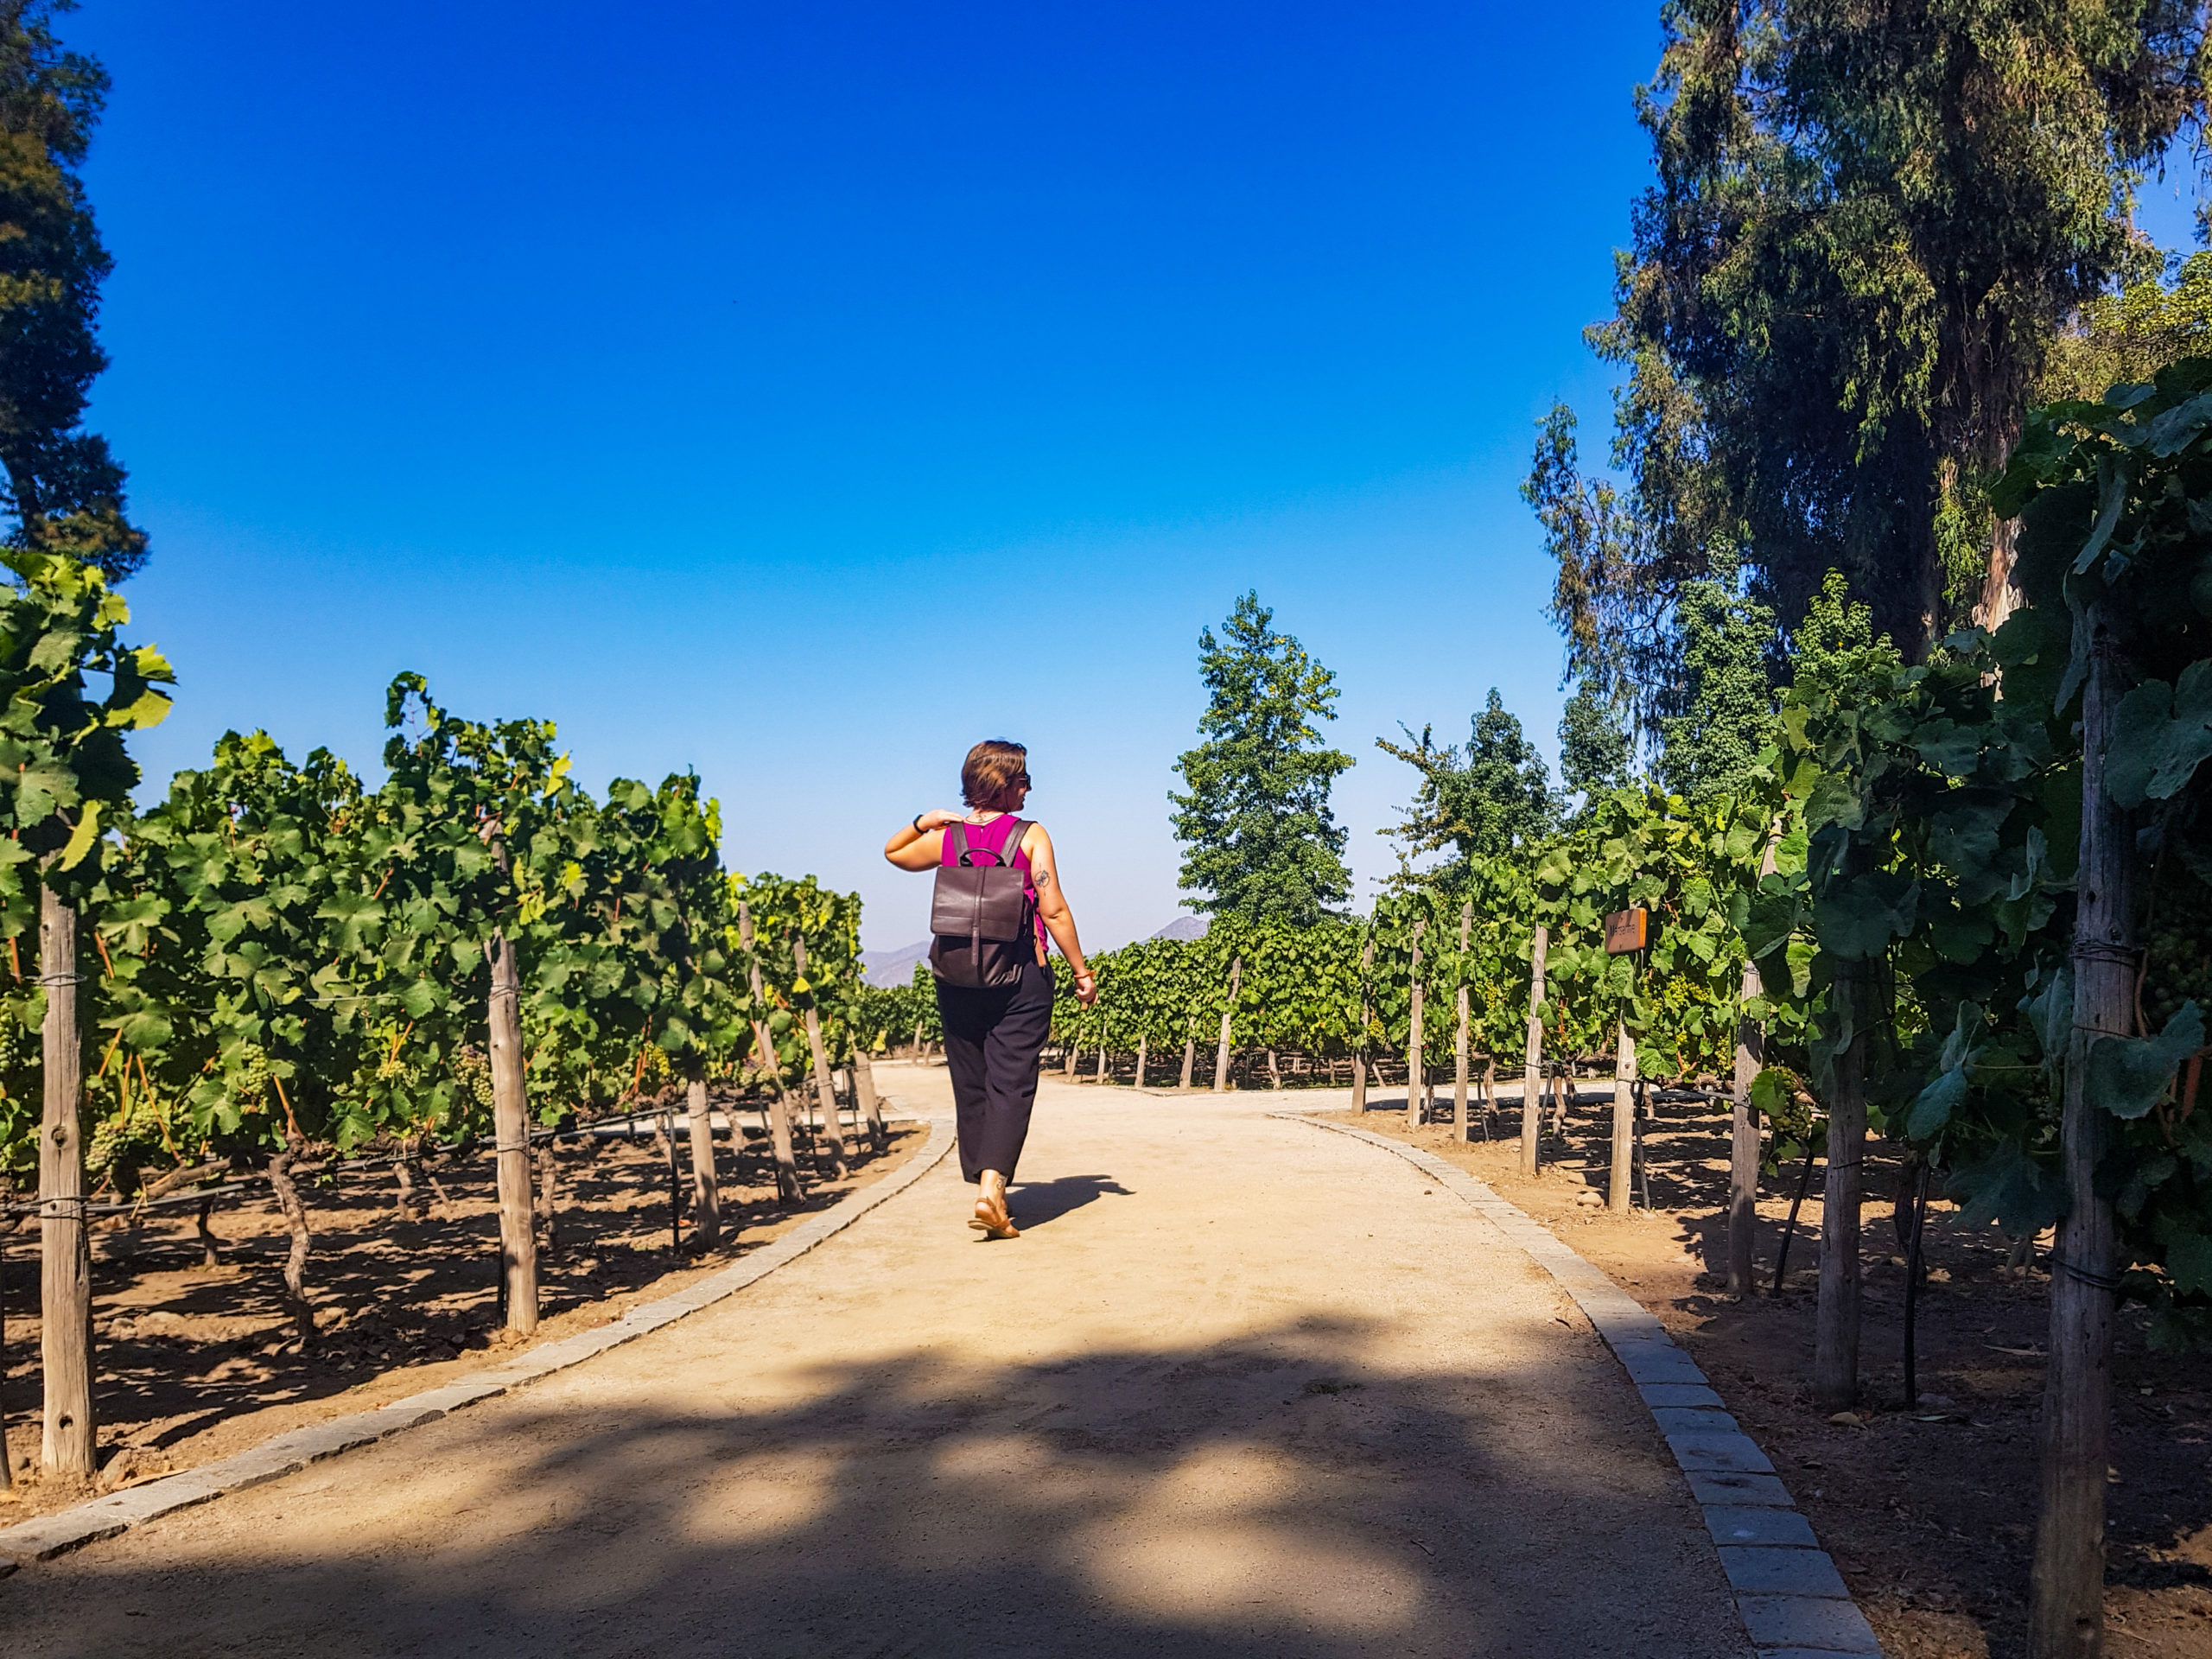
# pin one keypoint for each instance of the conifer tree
(1596, 753)
(1260, 841)
(1722, 702)
(62, 487)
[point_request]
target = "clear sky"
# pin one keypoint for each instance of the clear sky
(802, 392)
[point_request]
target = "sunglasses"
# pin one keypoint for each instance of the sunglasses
(1022, 778)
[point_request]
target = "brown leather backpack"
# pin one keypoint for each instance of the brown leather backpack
(981, 913)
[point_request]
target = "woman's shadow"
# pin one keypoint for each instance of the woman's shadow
(1035, 1203)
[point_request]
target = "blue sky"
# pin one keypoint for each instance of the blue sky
(801, 393)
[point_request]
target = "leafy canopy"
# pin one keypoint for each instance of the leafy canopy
(1481, 801)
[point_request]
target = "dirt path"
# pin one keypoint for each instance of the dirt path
(1241, 1389)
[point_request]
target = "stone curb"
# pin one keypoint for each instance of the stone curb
(1787, 1593)
(54, 1535)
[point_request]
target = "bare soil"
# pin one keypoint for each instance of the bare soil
(1929, 1511)
(195, 1363)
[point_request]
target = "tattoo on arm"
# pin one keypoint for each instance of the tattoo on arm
(1042, 880)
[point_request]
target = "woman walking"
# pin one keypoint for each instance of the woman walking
(994, 983)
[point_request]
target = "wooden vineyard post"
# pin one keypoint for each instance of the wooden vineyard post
(1619, 1197)
(1359, 1047)
(825, 1091)
(1101, 1061)
(2066, 1609)
(1744, 1138)
(1744, 1143)
(1221, 1054)
(1835, 1335)
(1189, 1058)
(1533, 1056)
(779, 1116)
(65, 1252)
(871, 1104)
(1459, 1035)
(706, 1185)
(511, 1140)
(1137, 1082)
(1416, 1058)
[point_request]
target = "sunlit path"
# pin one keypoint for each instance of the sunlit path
(1241, 1389)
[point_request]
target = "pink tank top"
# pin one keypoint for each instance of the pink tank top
(991, 838)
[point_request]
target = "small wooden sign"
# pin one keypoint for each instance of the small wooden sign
(1626, 930)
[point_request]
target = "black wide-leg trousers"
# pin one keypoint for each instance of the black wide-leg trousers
(992, 1037)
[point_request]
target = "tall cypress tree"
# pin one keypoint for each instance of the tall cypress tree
(1596, 753)
(1722, 704)
(1260, 840)
(63, 488)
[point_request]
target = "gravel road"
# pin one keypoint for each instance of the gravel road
(1241, 1389)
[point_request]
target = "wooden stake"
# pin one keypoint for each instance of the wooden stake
(871, 1103)
(1221, 1054)
(1416, 1059)
(833, 1133)
(1460, 1034)
(2066, 1609)
(1359, 1046)
(1743, 1138)
(1618, 1197)
(788, 1189)
(510, 1138)
(705, 1183)
(1190, 1059)
(1835, 1330)
(65, 1252)
(1138, 1081)
(1531, 1064)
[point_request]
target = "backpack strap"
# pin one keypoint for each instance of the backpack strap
(958, 832)
(1013, 842)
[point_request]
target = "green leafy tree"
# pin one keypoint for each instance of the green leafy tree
(64, 489)
(1260, 840)
(1721, 704)
(1482, 800)
(1869, 222)
(2125, 337)
(1596, 753)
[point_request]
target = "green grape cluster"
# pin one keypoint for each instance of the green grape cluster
(2179, 951)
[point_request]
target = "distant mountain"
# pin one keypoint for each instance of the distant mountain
(893, 967)
(1184, 927)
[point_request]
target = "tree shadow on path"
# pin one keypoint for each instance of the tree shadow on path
(1316, 1489)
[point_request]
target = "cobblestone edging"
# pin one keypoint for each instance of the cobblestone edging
(1793, 1601)
(54, 1535)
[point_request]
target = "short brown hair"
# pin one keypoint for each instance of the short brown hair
(988, 775)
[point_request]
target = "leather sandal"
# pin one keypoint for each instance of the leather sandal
(992, 1221)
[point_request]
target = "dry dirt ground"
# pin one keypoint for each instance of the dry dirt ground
(195, 1363)
(1928, 1512)
(1242, 1387)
